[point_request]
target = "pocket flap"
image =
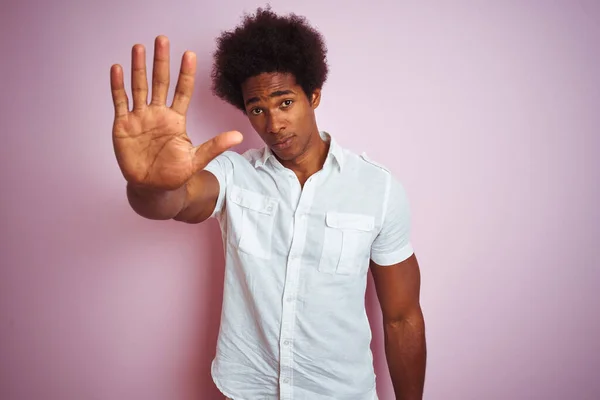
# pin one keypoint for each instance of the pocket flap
(252, 200)
(359, 222)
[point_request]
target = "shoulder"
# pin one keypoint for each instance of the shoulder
(365, 164)
(374, 164)
(374, 174)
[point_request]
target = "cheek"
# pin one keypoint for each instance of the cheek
(257, 123)
(299, 117)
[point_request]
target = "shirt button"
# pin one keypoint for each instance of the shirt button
(286, 380)
(269, 208)
(286, 343)
(289, 299)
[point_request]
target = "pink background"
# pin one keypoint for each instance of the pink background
(489, 112)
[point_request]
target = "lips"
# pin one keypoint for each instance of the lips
(283, 144)
(282, 141)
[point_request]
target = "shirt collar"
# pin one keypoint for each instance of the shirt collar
(335, 151)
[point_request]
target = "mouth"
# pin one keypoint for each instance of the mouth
(283, 144)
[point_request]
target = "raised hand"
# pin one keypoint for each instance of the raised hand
(150, 141)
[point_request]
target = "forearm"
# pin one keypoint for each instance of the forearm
(406, 354)
(155, 204)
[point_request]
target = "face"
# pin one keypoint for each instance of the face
(281, 113)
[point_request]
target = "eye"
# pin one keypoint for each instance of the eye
(256, 111)
(287, 103)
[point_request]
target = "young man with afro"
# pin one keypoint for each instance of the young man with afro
(303, 220)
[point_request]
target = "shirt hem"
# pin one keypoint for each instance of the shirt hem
(219, 385)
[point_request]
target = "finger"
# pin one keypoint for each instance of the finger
(160, 71)
(117, 88)
(139, 80)
(185, 83)
(212, 148)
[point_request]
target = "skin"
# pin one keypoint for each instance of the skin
(165, 177)
(398, 289)
(163, 169)
(278, 109)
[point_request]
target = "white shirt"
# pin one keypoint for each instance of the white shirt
(293, 323)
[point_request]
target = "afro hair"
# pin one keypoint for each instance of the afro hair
(266, 42)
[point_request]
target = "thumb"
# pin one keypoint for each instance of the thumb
(207, 151)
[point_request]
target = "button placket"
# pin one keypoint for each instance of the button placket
(289, 309)
(301, 199)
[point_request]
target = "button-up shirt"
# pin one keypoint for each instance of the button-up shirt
(293, 323)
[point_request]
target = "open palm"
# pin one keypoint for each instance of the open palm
(150, 141)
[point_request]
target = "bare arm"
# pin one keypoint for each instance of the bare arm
(398, 288)
(201, 197)
(193, 202)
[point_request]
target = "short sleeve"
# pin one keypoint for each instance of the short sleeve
(392, 245)
(222, 168)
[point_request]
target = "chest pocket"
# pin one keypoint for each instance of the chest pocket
(346, 243)
(253, 221)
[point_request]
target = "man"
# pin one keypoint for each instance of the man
(303, 220)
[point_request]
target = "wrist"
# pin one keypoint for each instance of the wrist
(155, 203)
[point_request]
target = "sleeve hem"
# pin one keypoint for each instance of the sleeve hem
(393, 258)
(219, 205)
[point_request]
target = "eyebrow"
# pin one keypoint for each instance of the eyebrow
(276, 93)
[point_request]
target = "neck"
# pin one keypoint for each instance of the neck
(311, 161)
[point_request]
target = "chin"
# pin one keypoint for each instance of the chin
(286, 155)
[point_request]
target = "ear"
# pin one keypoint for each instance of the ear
(315, 98)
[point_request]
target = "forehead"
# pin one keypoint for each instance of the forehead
(266, 83)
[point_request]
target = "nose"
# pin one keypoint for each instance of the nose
(275, 123)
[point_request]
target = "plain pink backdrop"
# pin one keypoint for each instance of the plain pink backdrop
(488, 112)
